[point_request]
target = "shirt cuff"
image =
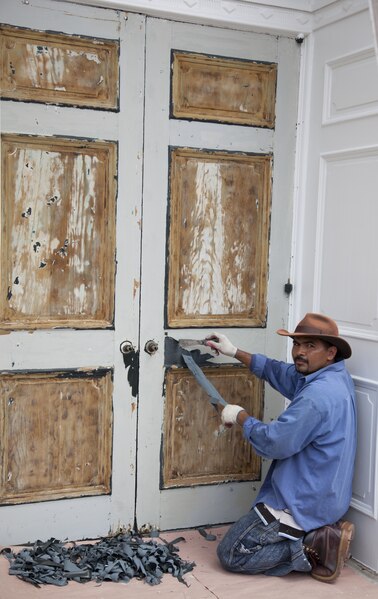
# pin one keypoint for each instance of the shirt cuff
(248, 425)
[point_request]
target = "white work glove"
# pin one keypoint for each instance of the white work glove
(221, 344)
(230, 413)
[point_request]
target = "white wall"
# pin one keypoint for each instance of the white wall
(336, 242)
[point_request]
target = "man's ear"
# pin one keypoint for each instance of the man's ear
(332, 351)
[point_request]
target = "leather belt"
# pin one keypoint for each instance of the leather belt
(284, 529)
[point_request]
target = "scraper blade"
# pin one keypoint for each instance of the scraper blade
(215, 396)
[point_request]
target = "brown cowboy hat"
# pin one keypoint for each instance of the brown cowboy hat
(321, 327)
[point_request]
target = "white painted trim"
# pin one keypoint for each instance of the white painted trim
(224, 137)
(370, 510)
(300, 181)
(347, 153)
(237, 14)
(358, 333)
(280, 16)
(329, 67)
(325, 158)
(323, 163)
(361, 507)
(337, 11)
(373, 6)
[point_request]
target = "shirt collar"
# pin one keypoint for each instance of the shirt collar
(335, 367)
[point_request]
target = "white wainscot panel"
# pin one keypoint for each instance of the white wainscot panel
(364, 497)
(346, 282)
(345, 97)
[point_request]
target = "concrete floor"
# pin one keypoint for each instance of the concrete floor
(206, 581)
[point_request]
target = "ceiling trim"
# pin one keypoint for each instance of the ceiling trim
(289, 17)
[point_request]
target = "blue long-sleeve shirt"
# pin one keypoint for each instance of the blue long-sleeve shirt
(312, 443)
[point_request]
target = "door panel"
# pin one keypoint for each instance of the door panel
(58, 68)
(71, 187)
(190, 421)
(219, 208)
(222, 90)
(57, 435)
(58, 238)
(203, 185)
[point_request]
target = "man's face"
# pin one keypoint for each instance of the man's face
(310, 354)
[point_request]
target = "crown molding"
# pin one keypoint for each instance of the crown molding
(277, 16)
(336, 11)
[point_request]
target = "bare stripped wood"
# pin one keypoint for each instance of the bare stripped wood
(225, 90)
(56, 435)
(197, 449)
(58, 68)
(57, 233)
(218, 238)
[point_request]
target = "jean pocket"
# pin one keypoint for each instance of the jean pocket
(259, 536)
(250, 550)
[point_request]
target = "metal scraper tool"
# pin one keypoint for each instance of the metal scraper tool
(215, 396)
(187, 343)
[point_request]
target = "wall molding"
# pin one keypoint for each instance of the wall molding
(278, 16)
(368, 108)
(336, 11)
(348, 328)
(364, 497)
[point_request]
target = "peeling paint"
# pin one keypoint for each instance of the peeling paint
(63, 250)
(223, 89)
(27, 213)
(218, 432)
(131, 361)
(136, 286)
(58, 453)
(218, 237)
(59, 68)
(189, 457)
(61, 232)
(208, 287)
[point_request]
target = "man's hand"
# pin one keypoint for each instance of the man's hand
(221, 344)
(230, 414)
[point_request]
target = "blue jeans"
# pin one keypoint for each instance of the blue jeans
(251, 547)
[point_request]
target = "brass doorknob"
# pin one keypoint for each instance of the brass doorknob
(151, 347)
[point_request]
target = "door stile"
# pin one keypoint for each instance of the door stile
(128, 283)
(152, 267)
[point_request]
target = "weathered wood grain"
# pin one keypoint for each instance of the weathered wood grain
(58, 68)
(57, 233)
(218, 238)
(197, 449)
(55, 435)
(224, 90)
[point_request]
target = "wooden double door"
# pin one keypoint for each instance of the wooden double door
(146, 185)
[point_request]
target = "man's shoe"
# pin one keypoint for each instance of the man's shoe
(327, 549)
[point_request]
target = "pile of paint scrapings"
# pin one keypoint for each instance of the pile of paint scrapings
(119, 559)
